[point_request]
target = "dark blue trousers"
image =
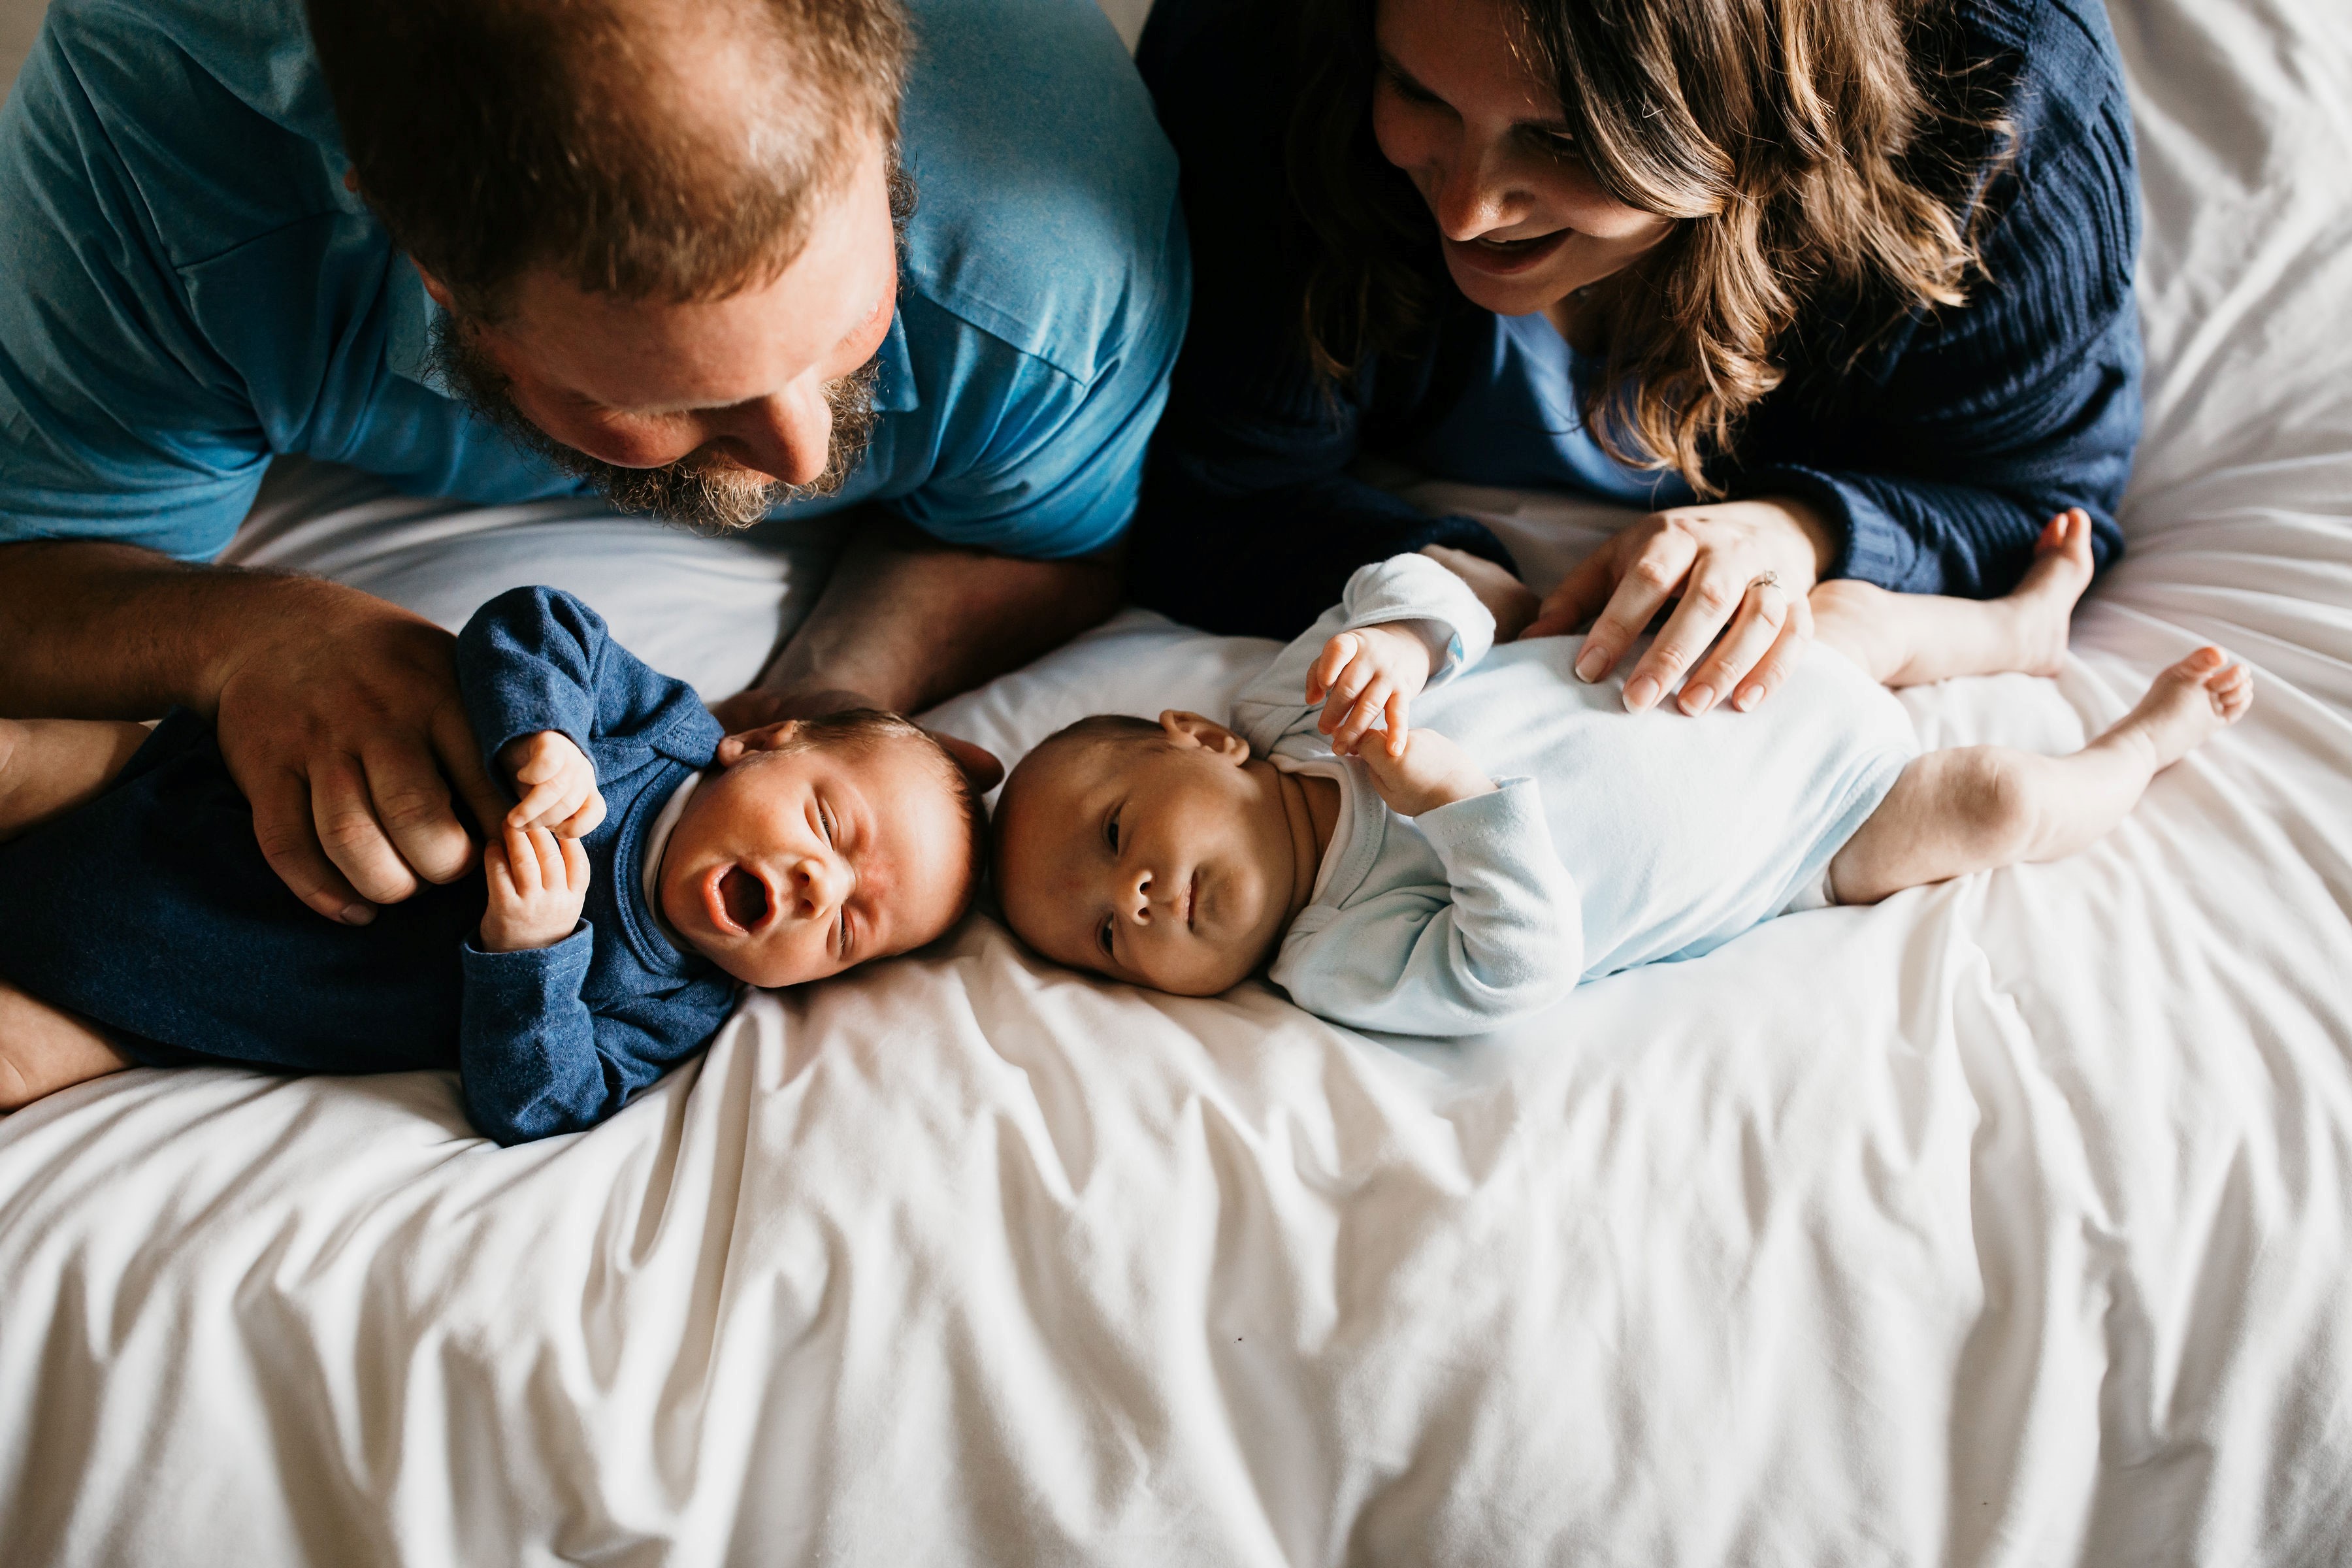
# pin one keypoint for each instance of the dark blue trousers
(150, 911)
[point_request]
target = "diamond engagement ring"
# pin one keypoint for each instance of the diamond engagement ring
(1765, 580)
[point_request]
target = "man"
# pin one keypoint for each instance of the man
(503, 250)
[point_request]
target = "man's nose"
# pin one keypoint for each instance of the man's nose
(787, 435)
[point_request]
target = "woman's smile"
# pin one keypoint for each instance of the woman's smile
(1502, 257)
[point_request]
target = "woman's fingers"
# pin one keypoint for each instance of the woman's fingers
(1658, 572)
(1578, 596)
(1778, 661)
(1712, 593)
(1754, 629)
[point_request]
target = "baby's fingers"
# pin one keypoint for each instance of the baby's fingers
(584, 821)
(1360, 715)
(1400, 706)
(546, 800)
(522, 862)
(573, 864)
(1335, 657)
(548, 850)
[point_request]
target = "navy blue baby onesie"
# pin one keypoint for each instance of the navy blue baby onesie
(150, 910)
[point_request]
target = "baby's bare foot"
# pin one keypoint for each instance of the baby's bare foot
(2042, 603)
(2189, 703)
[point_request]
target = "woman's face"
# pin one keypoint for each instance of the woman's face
(1482, 136)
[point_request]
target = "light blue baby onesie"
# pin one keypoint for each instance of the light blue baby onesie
(1615, 839)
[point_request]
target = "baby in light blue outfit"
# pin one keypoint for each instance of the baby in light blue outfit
(1408, 828)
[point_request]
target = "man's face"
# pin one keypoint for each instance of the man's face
(707, 413)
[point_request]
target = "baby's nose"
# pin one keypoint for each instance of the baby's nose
(1139, 898)
(822, 883)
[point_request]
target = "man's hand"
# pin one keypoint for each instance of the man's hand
(1430, 771)
(555, 784)
(340, 718)
(538, 884)
(1367, 676)
(1741, 571)
(338, 713)
(1511, 602)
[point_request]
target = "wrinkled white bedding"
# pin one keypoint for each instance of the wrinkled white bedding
(2005, 1223)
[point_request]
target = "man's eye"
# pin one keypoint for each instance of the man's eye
(1103, 936)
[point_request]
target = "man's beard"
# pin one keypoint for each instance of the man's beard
(699, 490)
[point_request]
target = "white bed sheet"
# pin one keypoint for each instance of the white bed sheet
(2005, 1223)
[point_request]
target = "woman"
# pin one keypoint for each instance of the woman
(1838, 288)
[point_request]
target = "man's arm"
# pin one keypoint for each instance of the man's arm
(338, 713)
(907, 622)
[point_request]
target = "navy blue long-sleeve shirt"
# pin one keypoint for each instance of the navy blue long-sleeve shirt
(1936, 456)
(150, 910)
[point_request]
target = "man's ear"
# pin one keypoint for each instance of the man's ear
(1184, 729)
(434, 286)
(766, 738)
(979, 763)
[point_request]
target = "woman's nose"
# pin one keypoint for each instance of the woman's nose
(787, 435)
(1467, 200)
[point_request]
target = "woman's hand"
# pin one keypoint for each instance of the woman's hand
(1511, 602)
(539, 884)
(1716, 559)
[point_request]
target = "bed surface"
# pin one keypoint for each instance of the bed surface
(2004, 1223)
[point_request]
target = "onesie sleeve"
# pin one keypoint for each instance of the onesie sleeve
(1411, 588)
(538, 658)
(1504, 937)
(533, 1059)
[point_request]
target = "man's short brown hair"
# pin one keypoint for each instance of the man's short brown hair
(647, 151)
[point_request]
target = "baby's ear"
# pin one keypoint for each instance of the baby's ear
(1192, 729)
(732, 749)
(979, 763)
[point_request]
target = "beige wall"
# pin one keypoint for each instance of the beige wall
(19, 20)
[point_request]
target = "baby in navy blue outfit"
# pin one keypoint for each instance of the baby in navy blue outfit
(650, 863)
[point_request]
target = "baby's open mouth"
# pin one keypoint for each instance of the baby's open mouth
(743, 897)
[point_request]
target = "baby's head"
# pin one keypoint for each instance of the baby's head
(817, 843)
(1161, 854)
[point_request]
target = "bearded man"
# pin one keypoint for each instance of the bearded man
(722, 260)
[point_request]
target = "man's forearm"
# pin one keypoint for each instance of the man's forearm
(906, 622)
(94, 630)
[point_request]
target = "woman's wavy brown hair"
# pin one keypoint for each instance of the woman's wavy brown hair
(1809, 149)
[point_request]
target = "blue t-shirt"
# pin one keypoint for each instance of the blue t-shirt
(186, 287)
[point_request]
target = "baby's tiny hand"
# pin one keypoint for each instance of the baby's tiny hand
(557, 784)
(1432, 773)
(538, 884)
(1364, 676)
